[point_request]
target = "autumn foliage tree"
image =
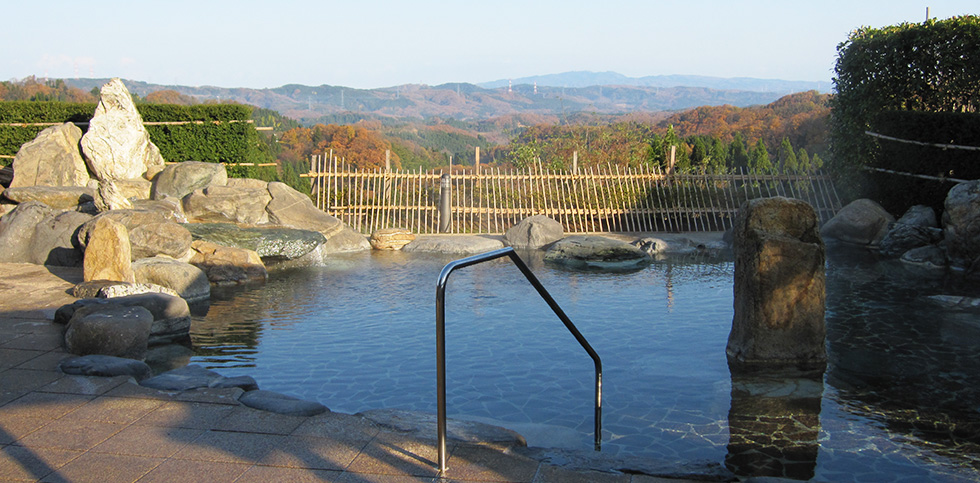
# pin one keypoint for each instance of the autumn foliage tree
(356, 145)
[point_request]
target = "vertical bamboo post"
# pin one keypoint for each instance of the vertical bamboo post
(574, 162)
(445, 202)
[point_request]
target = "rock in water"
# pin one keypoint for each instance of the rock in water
(961, 225)
(861, 222)
(596, 253)
(779, 286)
(117, 146)
(534, 232)
(51, 159)
(391, 238)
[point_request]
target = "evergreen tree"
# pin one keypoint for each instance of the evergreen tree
(738, 152)
(759, 162)
(803, 161)
(718, 162)
(787, 157)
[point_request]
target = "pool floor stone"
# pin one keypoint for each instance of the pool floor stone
(57, 427)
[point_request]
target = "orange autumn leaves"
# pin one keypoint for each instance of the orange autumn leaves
(356, 145)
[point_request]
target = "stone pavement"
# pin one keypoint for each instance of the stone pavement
(56, 427)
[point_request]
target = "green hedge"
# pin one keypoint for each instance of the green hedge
(930, 66)
(236, 142)
(898, 193)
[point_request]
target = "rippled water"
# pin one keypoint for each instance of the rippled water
(899, 400)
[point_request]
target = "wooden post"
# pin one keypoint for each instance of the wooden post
(476, 163)
(673, 159)
(574, 162)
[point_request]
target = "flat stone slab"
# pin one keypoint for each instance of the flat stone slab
(105, 366)
(183, 379)
(281, 404)
(453, 244)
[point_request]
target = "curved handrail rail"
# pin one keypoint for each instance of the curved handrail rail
(441, 339)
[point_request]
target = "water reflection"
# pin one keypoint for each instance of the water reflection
(774, 424)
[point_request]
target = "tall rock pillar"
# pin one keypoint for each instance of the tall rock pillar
(779, 287)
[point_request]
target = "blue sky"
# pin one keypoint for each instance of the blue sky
(368, 44)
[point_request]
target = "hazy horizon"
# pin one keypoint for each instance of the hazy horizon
(247, 43)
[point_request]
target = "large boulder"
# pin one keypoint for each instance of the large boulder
(453, 245)
(294, 209)
(117, 146)
(131, 219)
(190, 282)
(861, 222)
(228, 265)
(779, 286)
(107, 253)
(224, 204)
(53, 158)
(596, 253)
(181, 179)
(961, 224)
(534, 232)
(17, 231)
(111, 330)
(171, 314)
(152, 239)
(54, 239)
(272, 243)
(57, 197)
(918, 227)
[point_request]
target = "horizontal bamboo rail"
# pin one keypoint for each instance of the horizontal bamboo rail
(594, 199)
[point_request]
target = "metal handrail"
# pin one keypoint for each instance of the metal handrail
(441, 339)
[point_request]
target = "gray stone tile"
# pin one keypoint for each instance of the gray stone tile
(43, 340)
(177, 414)
(15, 357)
(44, 405)
(46, 361)
(228, 447)
(148, 441)
(265, 474)
(246, 419)
(32, 464)
(72, 435)
(394, 454)
(203, 471)
(474, 462)
(13, 428)
(113, 410)
(132, 389)
(100, 468)
(86, 385)
(340, 427)
(313, 453)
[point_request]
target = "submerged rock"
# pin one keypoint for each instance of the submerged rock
(596, 253)
(453, 245)
(276, 243)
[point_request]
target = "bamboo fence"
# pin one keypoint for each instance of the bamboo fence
(593, 200)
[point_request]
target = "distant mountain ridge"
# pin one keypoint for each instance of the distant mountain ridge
(589, 78)
(463, 101)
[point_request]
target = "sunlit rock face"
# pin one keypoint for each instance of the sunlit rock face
(779, 286)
